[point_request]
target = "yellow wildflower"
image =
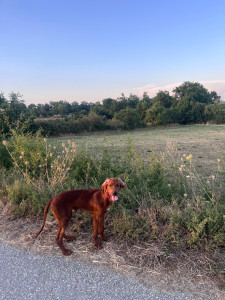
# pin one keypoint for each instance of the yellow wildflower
(189, 157)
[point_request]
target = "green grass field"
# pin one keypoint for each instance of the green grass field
(205, 142)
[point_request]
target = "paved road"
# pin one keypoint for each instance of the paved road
(24, 275)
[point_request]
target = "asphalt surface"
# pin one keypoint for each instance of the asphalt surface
(24, 275)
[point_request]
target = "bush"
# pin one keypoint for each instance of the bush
(25, 199)
(130, 117)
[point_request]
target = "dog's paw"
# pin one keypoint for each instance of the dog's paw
(67, 252)
(98, 245)
(104, 238)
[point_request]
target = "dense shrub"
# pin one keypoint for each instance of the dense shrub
(130, 117)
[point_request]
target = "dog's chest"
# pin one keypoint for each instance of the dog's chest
(108, 205)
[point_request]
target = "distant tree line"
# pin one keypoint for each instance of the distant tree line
(190, 103)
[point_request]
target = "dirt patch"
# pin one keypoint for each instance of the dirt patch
(150, 263)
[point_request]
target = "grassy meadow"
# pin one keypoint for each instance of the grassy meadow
(206, 143)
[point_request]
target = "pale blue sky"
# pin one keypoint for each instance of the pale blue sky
(89, 50)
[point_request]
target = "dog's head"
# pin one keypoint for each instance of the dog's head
(112, 186)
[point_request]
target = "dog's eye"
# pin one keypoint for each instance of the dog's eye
(110, 185)
(118, 185)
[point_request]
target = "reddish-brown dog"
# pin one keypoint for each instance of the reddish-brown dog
(95, 201)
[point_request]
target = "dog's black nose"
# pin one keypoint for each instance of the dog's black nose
(114, 193)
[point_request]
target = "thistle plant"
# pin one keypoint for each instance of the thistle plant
(193, 183)
(196, 185)
(43, 164)
(57, 165)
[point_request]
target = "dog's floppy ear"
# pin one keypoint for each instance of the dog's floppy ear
(122, 184)
(104, 185)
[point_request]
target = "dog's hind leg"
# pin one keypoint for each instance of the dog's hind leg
(59, 240)
(61, 232)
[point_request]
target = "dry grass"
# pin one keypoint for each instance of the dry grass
(150, 263)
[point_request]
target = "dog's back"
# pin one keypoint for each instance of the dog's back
(77, 199)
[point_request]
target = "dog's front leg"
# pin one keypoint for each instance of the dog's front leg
(101, 227)
(95, 231)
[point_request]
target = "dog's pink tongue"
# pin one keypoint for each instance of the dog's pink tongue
(114, 198)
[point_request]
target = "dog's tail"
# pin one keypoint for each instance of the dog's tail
(45, 216)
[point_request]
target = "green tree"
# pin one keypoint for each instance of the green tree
(216, 98)
(215, 113)
(153, 114)
(130, 117)
(3, 101)
(182, 110)
(193, 91)
(60, 108)
(144, 104)
(109, 106)
(197, 112)
(15, 108)
(132, 101)
(163, 98)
